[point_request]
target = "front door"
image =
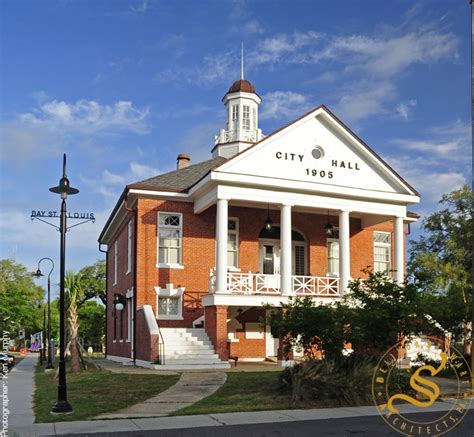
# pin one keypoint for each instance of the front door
(269, 266)
(269, 257)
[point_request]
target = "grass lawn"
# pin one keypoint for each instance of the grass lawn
(248, 391)
(94, 392)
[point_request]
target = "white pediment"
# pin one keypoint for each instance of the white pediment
(319, 150)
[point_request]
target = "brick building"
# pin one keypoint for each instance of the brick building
(195, 255)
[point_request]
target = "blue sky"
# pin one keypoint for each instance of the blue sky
(124, 86)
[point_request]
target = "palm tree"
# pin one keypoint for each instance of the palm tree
(74, 295)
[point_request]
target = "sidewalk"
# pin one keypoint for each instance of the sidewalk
(190, 388)
(224, 419)
(21, 388)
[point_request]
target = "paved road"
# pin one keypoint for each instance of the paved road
(369, 426)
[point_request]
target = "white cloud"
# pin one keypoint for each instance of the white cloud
(404, 109)
(110, 184)
(55, 124)
(451, 142)
(437, 163)
(278, 104)
(364, 100)
(141, 171)
(110, 178)
(429, 181)
(88, 116)
(141, 7)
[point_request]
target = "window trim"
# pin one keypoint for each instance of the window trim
(170, 293)
(158, 226)
(246, 120)
(115, 262)
(129, 247)
(237, 243)
(328, 273)
(386, 245)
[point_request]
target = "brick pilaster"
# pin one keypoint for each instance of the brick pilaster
(215, 324)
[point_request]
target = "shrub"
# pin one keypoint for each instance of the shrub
(346, 380)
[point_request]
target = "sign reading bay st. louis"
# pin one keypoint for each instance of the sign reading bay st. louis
(42, 215)
(393, 406)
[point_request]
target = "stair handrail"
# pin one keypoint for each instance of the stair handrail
(161, 346)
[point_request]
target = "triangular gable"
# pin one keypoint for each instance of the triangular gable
(318, 148)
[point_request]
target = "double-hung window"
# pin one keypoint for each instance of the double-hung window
(333, 253)
(235, 115)
(382, 251)
(246, 117)
(170, 236)
(233, 243)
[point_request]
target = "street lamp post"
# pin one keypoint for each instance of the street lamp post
(38, 274)
(63, 189)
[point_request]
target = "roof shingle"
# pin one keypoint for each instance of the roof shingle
(180, 180)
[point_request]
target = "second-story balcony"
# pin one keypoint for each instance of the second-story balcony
(264, 284)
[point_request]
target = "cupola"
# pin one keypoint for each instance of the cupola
(241, 102)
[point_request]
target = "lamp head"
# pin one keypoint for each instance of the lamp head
(38, 274)
(119, 302)
(329, 230)
(268, 224)
(64, 189)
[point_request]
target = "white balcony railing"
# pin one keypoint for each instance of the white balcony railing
(257, 283)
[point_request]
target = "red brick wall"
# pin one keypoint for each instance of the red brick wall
(147, 345)
(199, 256)
(120, 347)
(216, 328)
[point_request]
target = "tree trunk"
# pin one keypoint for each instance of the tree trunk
(466, 338)
(74, 348)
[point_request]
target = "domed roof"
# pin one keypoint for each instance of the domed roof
(242, 85)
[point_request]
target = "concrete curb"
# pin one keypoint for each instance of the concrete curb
(220, 419)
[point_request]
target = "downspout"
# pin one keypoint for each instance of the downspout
(135, 237)
(106, 292)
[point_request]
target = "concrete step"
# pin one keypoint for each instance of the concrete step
(184, 355)
(191, 360)
(192, 343)
(189, 352)
(221, 365)
(187, 337)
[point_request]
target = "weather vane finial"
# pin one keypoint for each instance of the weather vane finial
(242, 61)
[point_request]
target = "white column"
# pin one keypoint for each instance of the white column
(344, 251)
(399, 250)
(286, 286)
(221, 246)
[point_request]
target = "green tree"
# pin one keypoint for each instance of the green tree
(20, 299)
(440, 263)
(377, 311)
(93, 281)
(443, 255)
(309, 327)
(91, 318)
